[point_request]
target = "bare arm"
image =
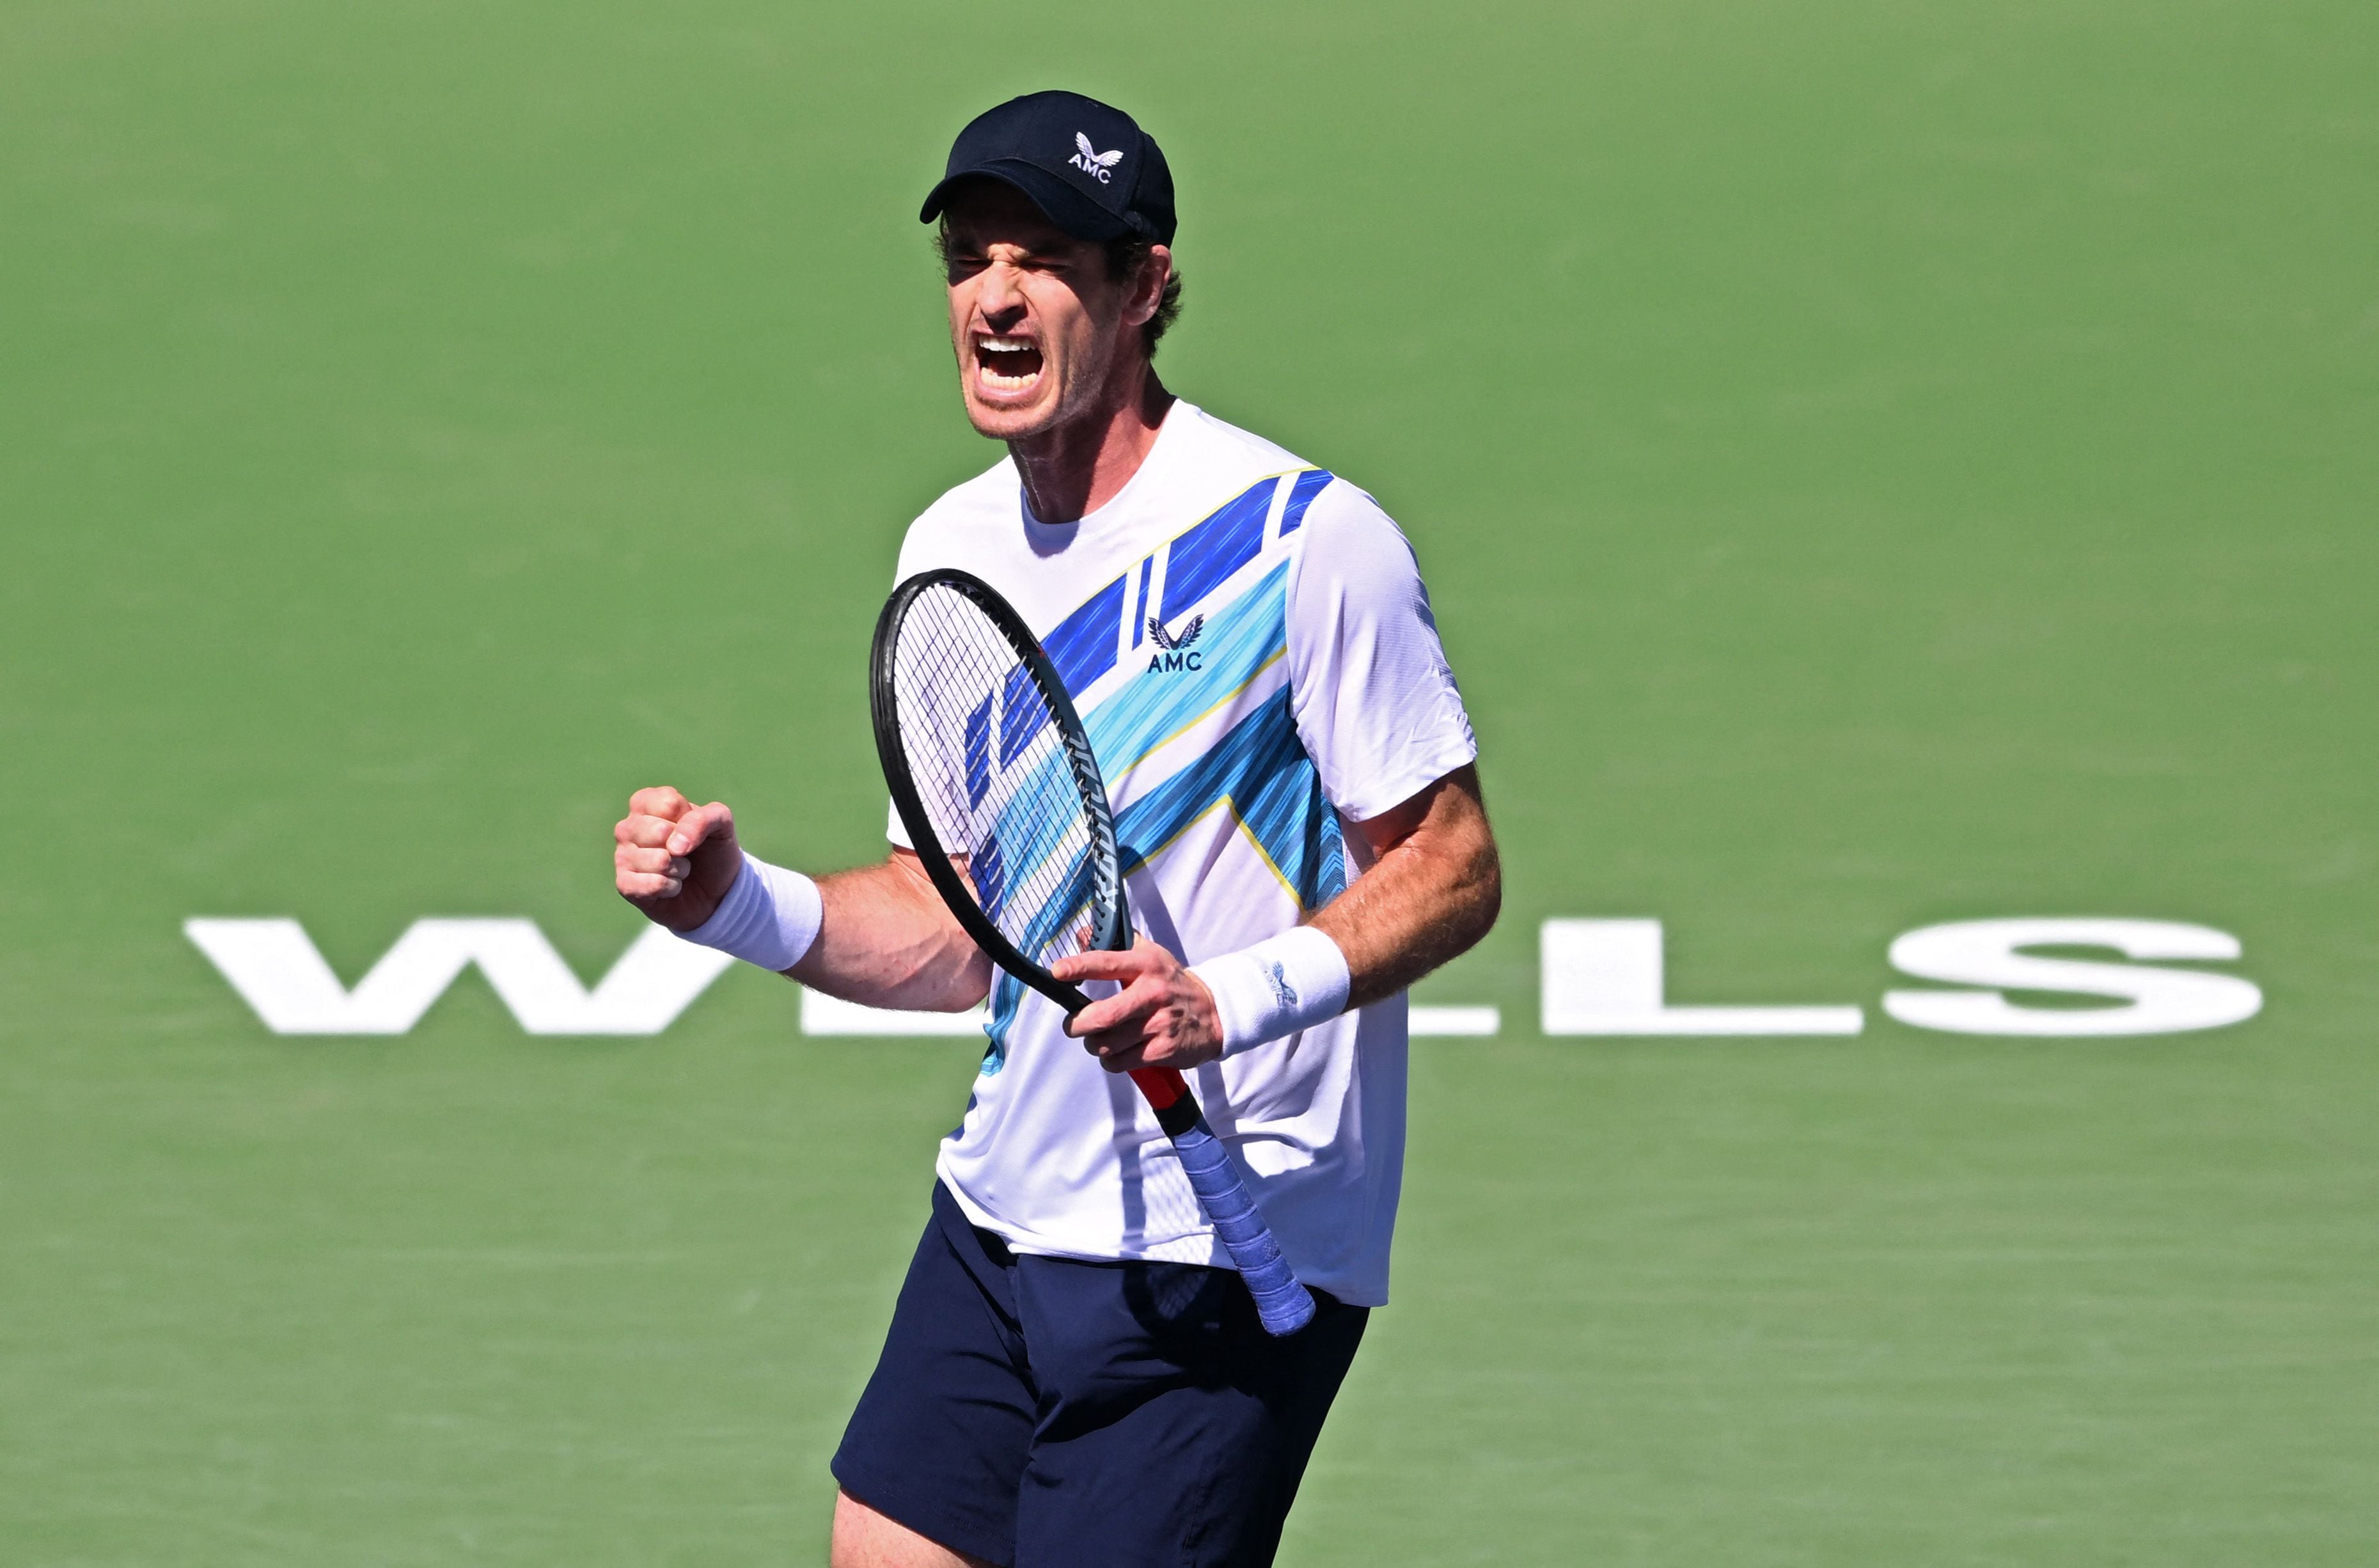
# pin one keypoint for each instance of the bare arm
(888, 940)
(1432, 890)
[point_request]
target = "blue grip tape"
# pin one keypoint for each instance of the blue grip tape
(1282, 1303)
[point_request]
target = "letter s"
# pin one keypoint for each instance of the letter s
(1989, 952)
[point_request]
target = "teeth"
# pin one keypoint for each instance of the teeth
(994, 381)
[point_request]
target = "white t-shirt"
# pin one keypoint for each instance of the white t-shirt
(1250, 644)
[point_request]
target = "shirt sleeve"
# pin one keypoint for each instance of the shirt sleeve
(1375, 700)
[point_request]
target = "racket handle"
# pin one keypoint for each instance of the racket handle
(1283, 1304)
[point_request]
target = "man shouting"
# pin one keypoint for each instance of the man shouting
(1072, 1375)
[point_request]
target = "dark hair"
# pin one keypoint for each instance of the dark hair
(1124, 258)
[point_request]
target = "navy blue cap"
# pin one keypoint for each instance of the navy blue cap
(1088, 165)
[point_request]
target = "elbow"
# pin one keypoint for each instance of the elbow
(939, 981)
(950, 988)
(1475, 898)
(1488, 903)
(970, 986)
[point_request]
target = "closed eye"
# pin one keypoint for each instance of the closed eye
(958, 268)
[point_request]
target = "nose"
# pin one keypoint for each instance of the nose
(1000, 298)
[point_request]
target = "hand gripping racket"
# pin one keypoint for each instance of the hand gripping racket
(989, 766)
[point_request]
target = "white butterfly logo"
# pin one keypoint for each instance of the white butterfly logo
(1099, 165)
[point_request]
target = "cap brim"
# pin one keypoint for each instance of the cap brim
(1065, 207)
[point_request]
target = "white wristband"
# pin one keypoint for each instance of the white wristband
(1280, 985)
(768, 918)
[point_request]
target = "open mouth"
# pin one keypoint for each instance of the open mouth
(1006, 364)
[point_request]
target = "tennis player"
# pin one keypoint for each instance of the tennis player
(1072, 1375)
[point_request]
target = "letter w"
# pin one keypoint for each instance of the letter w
(275, 967)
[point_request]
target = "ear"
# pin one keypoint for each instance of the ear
(1148, 288)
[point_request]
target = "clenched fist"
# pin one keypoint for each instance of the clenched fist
(675, 860)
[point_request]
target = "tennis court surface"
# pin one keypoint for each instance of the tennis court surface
(1877, 467)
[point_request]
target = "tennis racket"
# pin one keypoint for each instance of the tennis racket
(989, 766)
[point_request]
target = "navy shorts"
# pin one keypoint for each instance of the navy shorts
(1045, 1413)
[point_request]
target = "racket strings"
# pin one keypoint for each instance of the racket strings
(986, 754)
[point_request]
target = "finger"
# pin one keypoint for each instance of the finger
(1156, 954)
(661, 801)
(699, 825)
(1127, 1009)
(1128, 1054)
(639, 886)
(651, 863)
(651, 832)
(1099, 964)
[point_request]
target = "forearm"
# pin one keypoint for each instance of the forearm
(1431, 893)
(887, 941)
(1433, 887)
(879, 935)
